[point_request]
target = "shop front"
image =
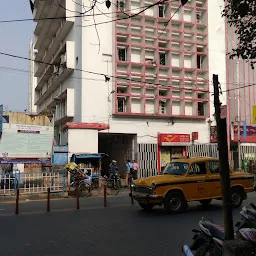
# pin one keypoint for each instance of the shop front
(171, 146)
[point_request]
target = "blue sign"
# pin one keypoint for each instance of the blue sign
(1, 120)
(244, 130)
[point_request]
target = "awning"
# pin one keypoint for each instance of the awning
(85, 156)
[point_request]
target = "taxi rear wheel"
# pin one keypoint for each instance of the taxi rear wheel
(175, 202)
(237, 197)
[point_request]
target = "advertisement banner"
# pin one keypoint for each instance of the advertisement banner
(253, 115)
(213, 134)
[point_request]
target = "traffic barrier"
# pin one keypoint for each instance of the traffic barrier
(48, 199)
(132, 201)
(77, 199)
(105, 195)
(17, 201)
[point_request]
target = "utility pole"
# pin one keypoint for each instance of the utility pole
(224, 163)
(238, 114)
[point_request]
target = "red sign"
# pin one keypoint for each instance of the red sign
(194, 135)
(213, 134)
(165, 139)
(95, 126)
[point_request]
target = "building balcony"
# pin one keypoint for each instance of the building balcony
(62, 104)
(54, 82)
(51, 44)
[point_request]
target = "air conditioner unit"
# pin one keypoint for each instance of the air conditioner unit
(121, 5)
(198, 17)
(63, 59)
(55, 70)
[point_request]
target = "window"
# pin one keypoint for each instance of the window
(199, 59)
(214, 167)
(162, 107)
(122, 54)
(120, 5)
(200, 108)
(161, 9)
(162, 58)
(176, 168)
(198, 17)
(120, 90)
(121, 105)
(198, 169)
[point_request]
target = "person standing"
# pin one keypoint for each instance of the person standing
(135, 168)
(128, 169)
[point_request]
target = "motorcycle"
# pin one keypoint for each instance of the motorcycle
(248, 217)
(209, 239)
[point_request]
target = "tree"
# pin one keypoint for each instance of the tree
(241, 14)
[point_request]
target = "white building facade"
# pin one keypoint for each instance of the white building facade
(135, 88)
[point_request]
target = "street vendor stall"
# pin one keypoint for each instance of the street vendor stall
(91, 163)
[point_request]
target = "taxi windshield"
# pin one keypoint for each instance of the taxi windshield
(176, 168)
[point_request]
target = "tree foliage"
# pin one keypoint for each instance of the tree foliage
(241, 14)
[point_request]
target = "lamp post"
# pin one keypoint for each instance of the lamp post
(51, 115)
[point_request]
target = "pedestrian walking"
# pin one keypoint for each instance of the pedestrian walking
(135, 168)
(128, 169)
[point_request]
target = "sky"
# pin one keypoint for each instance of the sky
(14, 39)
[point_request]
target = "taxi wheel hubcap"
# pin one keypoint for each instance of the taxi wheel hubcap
(235, 198)
(175, 203)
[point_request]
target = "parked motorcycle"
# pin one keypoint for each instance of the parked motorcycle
(209, 239)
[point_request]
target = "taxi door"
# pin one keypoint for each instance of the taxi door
(198, 181)
(214, 178)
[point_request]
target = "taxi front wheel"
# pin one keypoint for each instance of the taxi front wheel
(175, 202)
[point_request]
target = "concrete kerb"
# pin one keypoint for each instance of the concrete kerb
(6, 199)
(54, 195)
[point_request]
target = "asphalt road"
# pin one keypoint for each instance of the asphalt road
(118, 230)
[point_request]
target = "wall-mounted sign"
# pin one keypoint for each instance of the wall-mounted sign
(194, 136)
(172, 139)
(254, 115)
(213, 134)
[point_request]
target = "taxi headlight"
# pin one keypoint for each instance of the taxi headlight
(153, 186)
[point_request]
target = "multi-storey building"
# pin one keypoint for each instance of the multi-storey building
(132, 86)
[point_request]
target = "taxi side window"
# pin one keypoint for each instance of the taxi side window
(198, 169)
(214, 167)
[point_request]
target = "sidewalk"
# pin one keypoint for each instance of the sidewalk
(59, 195)
(62, 195)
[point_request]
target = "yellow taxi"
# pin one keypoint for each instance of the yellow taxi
(189, 179)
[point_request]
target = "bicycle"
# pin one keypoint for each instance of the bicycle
(112, 184)
(84, 187)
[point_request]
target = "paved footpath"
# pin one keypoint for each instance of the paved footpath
(118, 230)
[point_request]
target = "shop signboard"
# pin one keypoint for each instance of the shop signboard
(173, 139)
